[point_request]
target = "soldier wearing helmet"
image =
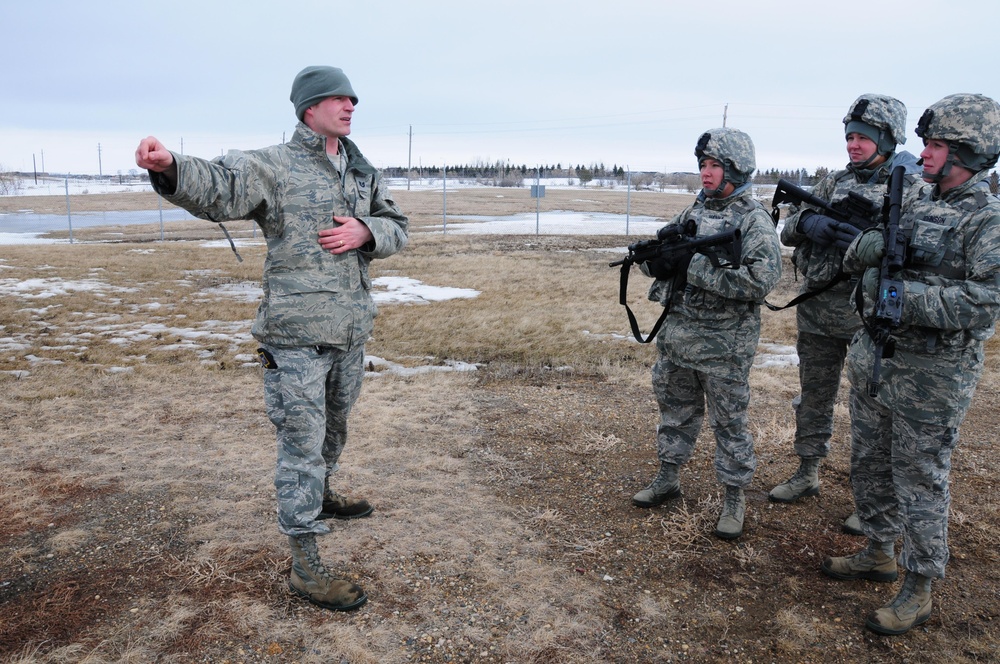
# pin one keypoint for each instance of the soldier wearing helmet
(873, 126)
(902, 438)
(968, 126)
(734, 152)
(882, 120)
(709, 335)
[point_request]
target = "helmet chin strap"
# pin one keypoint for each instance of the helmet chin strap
(866, 163)
(729, 176)
(945, 169)
(714, 193)
(875, 155)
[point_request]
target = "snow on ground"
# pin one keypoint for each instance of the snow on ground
(559, 222)
(110, 328)
(27, 238)
(386, 290)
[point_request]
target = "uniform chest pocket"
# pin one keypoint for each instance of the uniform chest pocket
(711, 224)
(360, 197)
(929, 242)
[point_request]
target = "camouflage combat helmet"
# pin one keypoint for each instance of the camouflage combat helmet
(733, 149)
(881, 115)
(970, 124)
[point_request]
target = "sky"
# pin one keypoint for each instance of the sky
(627, 83)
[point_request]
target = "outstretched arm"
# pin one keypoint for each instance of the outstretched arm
(154, 156)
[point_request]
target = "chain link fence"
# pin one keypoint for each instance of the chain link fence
(631, 204)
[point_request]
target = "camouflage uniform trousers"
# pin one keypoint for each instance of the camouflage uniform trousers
(308, 397)
(899, 473)
(682, 394)
(821, 362)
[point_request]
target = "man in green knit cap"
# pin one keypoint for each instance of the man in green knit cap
(325, 213)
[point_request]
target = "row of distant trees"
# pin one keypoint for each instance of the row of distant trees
(504, 174)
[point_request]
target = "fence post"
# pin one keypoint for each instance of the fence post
(69, 215)
(538, 198)
(628, 200)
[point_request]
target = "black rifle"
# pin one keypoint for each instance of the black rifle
(888, 309)
(724, 249)
(855, 210)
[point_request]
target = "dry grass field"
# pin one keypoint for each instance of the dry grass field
(136, 499)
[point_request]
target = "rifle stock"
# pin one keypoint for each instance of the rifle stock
(855, 209)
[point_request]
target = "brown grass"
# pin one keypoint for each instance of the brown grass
(137, 513)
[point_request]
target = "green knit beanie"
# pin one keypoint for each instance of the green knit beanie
(863, 128)
(314, 84)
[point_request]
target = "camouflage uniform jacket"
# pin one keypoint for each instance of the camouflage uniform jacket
(831, 313)
(311, 296)
(714, 321)
(951, 301)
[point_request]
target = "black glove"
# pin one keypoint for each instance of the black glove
(818, 227)
(669, 264)
(844, 234)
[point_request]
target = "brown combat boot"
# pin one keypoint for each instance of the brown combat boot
(870, 563)
(311, 580)
(909, 608)
(336, 506)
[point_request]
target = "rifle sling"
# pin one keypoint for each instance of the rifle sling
(859, 306)
(623, 299)
(802, 297)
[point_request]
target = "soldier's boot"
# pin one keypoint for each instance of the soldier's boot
(311, 580)
(876, 562)
(336, 506)
(852, 525)
(734, 506)
(804, 482)
(665, 485)
(909, 608)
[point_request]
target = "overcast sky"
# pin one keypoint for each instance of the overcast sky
(623, 83)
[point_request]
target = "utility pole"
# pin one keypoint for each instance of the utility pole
(409, 159)
(725, 112)
(43, 160)
(100, 172)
